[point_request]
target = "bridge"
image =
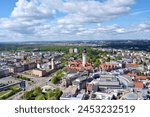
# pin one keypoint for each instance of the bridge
(21, 83)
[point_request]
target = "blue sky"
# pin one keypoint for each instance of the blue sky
(37, 20)
(6, 7)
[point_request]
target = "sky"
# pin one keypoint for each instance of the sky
(51, 20)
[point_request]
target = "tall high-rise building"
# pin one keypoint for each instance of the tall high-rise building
(84, 57)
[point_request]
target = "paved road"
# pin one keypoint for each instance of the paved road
(38, 81)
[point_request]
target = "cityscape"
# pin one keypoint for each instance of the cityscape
(74, 71)
(74, 50)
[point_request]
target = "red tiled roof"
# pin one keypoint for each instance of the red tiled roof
(107, 66)
(139, 84)
(137, 77)
(141, 77)
(132, 65)
(77, 65)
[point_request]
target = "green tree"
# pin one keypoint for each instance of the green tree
(54, 79)
(108, 59)
(28, 95)
(37, 91)
(144, 64)
(97, 63)
(40, 97)
(58, 93)
(58, 75)
(49, 94)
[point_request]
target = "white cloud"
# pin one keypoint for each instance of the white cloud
(139, 31)
(144, 26)
(77, 11)
(34, 9)
(92, 11)
(64, 19)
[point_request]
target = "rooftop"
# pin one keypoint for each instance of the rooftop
(130, 96)
(138, 84)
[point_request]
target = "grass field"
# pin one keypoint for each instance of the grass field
(3, 93)
(9, 92)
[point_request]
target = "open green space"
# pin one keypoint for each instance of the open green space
(9, 92)
(2, 93)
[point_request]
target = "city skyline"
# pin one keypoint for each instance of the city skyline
(38, 20)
